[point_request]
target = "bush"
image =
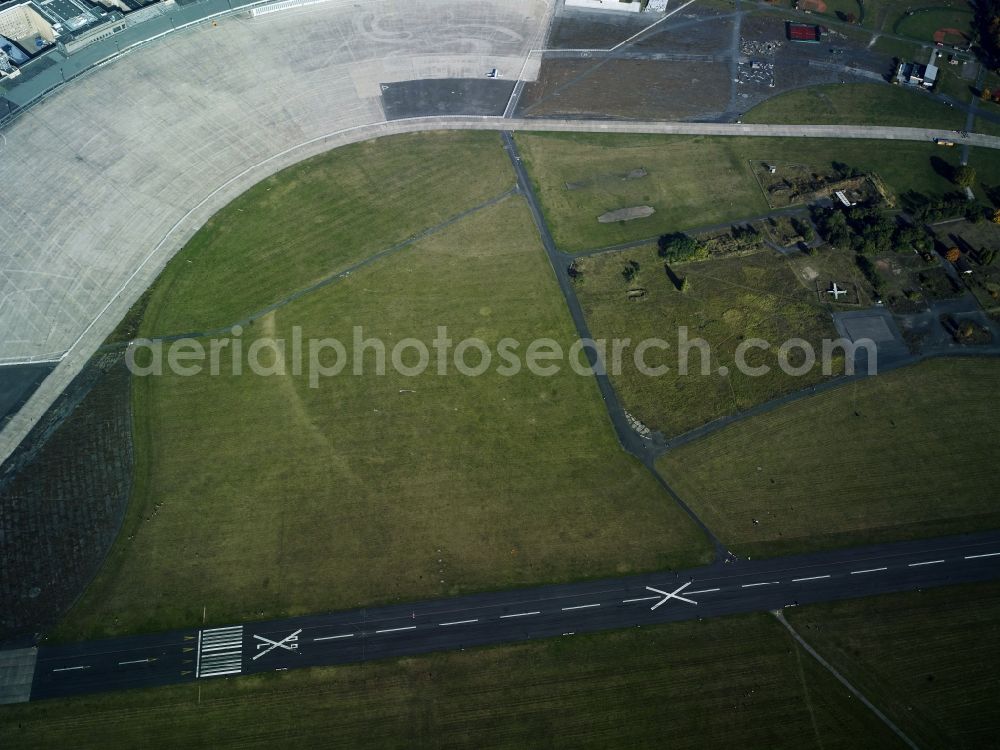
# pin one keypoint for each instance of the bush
(677, 246)
(964, 176)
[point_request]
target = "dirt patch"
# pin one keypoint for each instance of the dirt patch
(635, 174)
(816, 6)
(950, 36)
(626, 214)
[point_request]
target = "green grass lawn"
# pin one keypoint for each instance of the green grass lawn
(312, 220)
(261, 494)
(726, 301)
(692, 181)
(928, 659)
(903, 50)
(907, 454)
(884, 15)
(857, 103)
(732, 682)
(923, 24)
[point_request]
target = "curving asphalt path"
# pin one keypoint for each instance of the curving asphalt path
(511, 616)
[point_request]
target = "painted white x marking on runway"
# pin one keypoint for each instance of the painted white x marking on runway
(675, 594)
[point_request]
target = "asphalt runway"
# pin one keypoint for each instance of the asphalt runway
(565, 610)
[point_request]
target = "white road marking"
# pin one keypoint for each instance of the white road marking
(762, 583)
(396, 630)
(988, 554)
(334, 637)
(220, 651)
(640, 599)
(925, 562)
(675, 594)
(569, 633)
(580, 606)
(810, 578)
(457, 622)
(219, 672)
(704, 591)
(520, 614)
(70, 669)
(289, 643)
(136, 661)
(869, 570)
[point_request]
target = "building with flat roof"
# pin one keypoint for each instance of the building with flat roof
(916, 75)
(803, 32)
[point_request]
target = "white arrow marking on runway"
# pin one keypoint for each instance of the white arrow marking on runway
(672, 595)
(289, 643)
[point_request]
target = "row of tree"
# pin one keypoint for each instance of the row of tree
(867, 231)
(988, 29)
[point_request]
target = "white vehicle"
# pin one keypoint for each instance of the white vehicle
(494, 73)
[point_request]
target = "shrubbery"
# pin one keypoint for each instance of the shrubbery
(677, 247)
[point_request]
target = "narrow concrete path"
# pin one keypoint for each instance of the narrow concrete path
(843, 681)
(646, 449)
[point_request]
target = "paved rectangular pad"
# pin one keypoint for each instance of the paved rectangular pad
(17, 669)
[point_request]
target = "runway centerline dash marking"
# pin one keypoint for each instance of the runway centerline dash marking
(334, 637)
(987, 554)
(396, 630)
(580, 606)
(520, 614)
(925, 562)
(456, 622)
(134, 661)
(810, 578)
(869, 570)
(762, 583)
(70, 669)
(704, 591)
(640, 599)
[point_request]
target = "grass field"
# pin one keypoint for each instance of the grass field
(885, 15)
(928, 659)
(261, 494)
(692, 181)
(732, 682)
(857, 103)
(898, 48)
(316, 218)
(922, 24)
(915, 456)
(726, 301)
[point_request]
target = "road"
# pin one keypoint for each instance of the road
(512, 616)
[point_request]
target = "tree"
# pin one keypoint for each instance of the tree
(964, 176)
(677, 246)
(630, 270)
(996, 217)
(953, 254)
(986, 94)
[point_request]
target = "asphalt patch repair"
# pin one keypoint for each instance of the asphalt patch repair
(17, 383)
(446, 96)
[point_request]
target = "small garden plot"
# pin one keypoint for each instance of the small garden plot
(738, 240)
(786, 185)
